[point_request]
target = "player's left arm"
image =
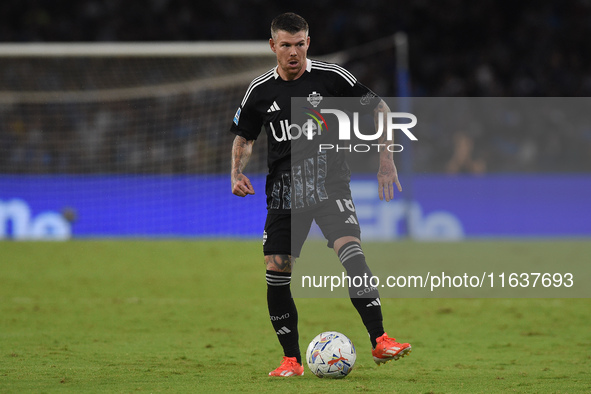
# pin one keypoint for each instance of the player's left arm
(387, 173)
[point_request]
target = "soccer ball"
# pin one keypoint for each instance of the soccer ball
(331, 355)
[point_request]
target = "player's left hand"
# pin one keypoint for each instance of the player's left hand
(387, 178)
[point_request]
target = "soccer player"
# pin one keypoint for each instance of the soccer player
(291, 204)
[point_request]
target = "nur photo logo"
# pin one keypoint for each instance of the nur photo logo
(345, 126)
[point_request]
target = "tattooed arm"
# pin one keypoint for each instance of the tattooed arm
(241, 151)
(387, 174)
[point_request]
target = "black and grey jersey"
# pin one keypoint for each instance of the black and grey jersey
(295, 182)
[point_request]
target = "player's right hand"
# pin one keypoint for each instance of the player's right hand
(241, 186)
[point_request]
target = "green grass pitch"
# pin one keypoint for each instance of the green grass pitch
(190, 316)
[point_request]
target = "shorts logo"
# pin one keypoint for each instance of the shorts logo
(314, 99)
(351, 220)
(237, 116)
(264, 237)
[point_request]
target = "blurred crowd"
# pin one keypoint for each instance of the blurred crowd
(458, 48)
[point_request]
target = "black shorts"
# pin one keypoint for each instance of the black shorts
(285, 233)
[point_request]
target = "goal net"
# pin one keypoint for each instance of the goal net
(137, 108)
(121, 139)
(125, 139)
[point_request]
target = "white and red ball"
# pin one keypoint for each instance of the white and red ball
(331, 355)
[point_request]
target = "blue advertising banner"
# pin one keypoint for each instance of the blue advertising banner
(439, 208)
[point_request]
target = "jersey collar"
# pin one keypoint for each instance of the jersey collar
(308, 68)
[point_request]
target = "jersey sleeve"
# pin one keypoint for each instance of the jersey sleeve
(247, 123)
(348, 86)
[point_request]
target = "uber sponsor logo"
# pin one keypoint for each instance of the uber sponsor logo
(346, 129)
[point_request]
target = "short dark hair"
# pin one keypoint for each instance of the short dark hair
(289, 22)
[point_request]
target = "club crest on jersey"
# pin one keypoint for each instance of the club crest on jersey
(314, 99)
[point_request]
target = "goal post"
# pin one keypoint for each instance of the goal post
(137, 49)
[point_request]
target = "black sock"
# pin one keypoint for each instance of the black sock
(365, 298)
(283, 312)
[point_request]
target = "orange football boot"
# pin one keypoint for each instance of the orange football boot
(388, 349)
(289, 367)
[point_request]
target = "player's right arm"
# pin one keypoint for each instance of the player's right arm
(241, 151)
(247, 125)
